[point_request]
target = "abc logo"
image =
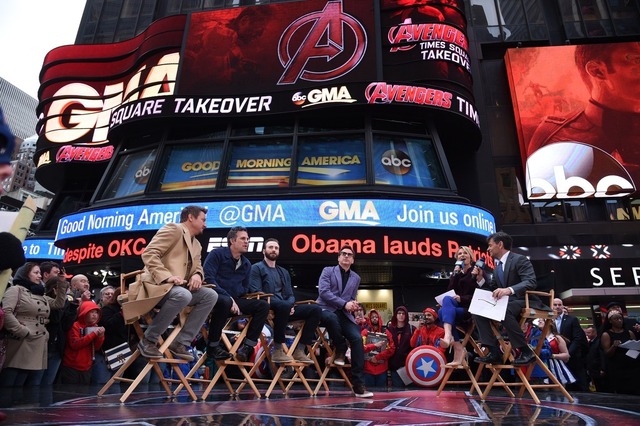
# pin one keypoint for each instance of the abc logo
(142, 174)
(298, 98)
(396, 162)
(565, 170)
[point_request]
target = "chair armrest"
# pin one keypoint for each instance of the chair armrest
(306, 302)
(257, 295)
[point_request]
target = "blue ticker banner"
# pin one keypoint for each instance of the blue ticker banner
(41, 249)
(319, 213)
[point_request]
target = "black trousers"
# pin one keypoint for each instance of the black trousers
(257, 308)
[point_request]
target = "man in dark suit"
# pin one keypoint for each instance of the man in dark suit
(267, 277)
(569, 328)
(512, 277)
(337, 290)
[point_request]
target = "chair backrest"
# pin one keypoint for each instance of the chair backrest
(125, 280)
(529, 312)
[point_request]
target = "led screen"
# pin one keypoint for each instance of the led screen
(191, 167)
(576, 112)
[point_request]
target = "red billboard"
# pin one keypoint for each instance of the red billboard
(577, 111)
(254, 61)
(257, 49)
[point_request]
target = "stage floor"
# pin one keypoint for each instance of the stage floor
(67, 405)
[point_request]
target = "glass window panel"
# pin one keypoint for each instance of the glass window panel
(548, 212)
(399, 126)
(576, 211)
(259, 164)
(511, 198)
(331, 160)
(182, 133)
(131, 175)
(259, 130)
(407, 162)
(191, 167)
(635, 209)
(335, 124)
(617, 210)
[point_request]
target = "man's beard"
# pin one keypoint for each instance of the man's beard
(271, 256)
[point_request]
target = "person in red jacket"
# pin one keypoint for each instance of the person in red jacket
(83, 340)
(428, 333)
(376, 355)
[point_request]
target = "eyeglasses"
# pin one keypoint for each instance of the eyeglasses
(346, 254)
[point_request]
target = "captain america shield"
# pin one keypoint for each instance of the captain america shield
(425, 366)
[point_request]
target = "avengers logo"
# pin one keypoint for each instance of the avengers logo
(321, 46)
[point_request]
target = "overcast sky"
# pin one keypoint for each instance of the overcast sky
(29, 29)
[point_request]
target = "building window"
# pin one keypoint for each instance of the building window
(191, 167)
(508, 20)
(599, 18)
(331, 160)
(406, 161)
(260, 164)
(131, 174)
(617, 210)
(635, 209)
(559, 211)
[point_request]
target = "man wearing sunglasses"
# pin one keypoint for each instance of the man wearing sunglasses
(337, 290)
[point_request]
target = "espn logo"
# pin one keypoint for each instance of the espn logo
(256, 244)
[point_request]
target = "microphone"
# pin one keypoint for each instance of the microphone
(458, 266)
(480, 263)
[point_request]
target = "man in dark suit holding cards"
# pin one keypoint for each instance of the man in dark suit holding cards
(512, 277)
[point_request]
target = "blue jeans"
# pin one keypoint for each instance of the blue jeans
(54, 359)
(375, 380)
(20, 377)
(100, 374)
(341, 329)
(451, 313)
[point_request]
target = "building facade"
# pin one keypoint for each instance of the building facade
(415, 145)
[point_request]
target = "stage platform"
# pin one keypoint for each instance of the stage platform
(77, 405)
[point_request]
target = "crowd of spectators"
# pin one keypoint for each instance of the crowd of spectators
(56, 330)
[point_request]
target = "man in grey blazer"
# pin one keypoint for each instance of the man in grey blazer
(512, 277)
(337, 290)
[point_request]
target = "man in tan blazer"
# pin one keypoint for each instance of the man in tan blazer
(172, 279)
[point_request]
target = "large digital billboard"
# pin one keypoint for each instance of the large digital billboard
(577, 110)
(259, 60)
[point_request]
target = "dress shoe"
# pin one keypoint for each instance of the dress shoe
(244, 353)
(492, 358)
(149, 349)
(218, 352)
(525, 358)
(180, 351)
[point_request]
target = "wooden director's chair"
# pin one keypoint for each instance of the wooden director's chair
(472, 378)
(247, 369)
(168, 358)
(280, 369)
(322, 342)
(527, 313)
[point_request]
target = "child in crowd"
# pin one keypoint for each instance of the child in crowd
(83, 340)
